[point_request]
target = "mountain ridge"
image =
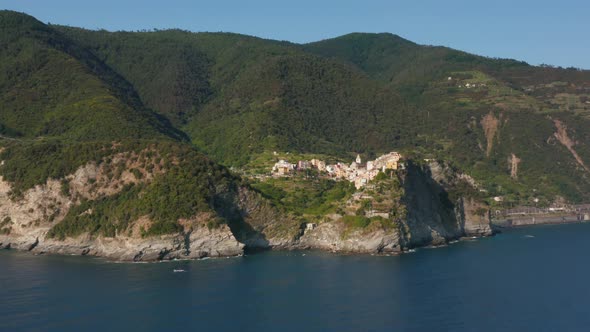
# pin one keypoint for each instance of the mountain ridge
(238, 96)
(155, 133)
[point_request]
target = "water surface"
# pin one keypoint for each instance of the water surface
(529, 279)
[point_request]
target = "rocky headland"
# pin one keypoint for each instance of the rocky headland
(431, 217)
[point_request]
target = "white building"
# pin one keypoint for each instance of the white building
(283, 167)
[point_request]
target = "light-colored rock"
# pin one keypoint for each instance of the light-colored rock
(198, 243)
(475, 218)
(35, 213)
(431, 219)
(334, 236)
(40, 208)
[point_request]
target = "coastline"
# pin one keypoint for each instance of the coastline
(537, 220)
(88, 250)
(68, 250)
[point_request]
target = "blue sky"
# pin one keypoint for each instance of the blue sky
(552, 32)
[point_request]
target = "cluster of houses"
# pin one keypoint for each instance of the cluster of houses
(472, 85)
(469, 85)
(357, 172)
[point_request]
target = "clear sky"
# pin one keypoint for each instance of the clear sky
(537, 31)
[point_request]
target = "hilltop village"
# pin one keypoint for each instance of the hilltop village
(357, 172)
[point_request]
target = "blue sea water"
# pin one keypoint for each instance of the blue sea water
(529, 279)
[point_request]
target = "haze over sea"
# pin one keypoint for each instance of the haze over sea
(529, 279)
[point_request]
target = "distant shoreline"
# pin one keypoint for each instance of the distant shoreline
(526, 221)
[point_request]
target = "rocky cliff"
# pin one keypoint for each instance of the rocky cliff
(421, 211)
(441, 206)
(28, 220)
(336, 237)
(434, 206)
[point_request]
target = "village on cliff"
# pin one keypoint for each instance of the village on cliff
(357, 172)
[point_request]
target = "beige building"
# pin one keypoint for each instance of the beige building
(388, 161)
(357, 172)
(319, 164)
(283, 167)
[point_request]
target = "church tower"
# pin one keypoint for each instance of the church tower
(358, 159)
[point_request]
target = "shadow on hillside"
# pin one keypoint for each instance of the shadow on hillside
(226, 206)
(429, 207)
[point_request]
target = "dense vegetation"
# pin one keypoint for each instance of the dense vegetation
(237, 98)
(258, 95)
(189, 185)
(367, 93)
(27, 164)
(309, 196)
(50, 86)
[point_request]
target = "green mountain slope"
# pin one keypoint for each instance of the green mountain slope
(518, 129)
(390, 58)
(480, 111)
(67, 117)
(260, 95)
(49, 86)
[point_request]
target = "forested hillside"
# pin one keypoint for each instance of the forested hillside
(50, 86)
(64, 112)
(519, 130)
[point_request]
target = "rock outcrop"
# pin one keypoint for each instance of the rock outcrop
(434, 215)
(490, 126)
(29, 219)
(26, 220)
(334, 236)
(198, 243)
(431, 217)
(474, 218)
(563, 138)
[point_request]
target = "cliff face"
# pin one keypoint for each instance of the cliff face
(255, 222)
(336, 237)
(429, 217)
(436, 214)
(27, 221)
(197, 243)
(474, 217)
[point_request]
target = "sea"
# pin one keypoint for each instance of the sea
(526, 279)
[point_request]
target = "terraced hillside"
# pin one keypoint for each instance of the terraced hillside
(367, 93)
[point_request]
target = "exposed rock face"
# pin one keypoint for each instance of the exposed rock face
(565, 140)
(335, 237)
(92, 181)
(28, 220)
(474, 218)
(431, 219)
(490, 125)
(197, 243)
(30, 217)
(255, 222)
(513, 161)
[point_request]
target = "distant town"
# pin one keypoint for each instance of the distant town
(357, 172)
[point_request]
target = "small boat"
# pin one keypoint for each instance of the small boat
(179, 270)
(529, 236)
